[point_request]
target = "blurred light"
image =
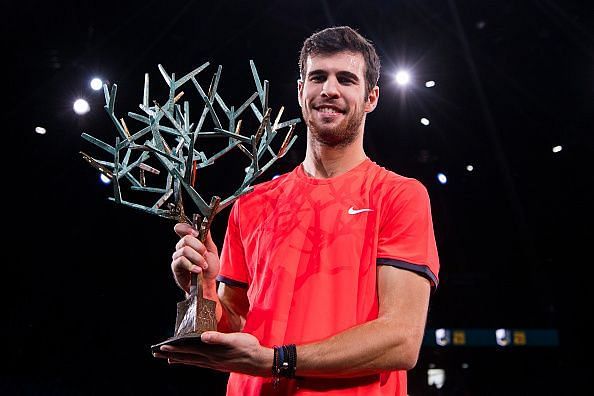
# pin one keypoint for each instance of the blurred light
(519, 337)
(40, 130)
(436, 377)
(556, 149)
(402, 77)
(96, 84)
(481, 24)
(465, 365)
(104, 179)
(459, 337)
(275, 176)
(503, 337)
(469, 168)
(430, 84)
(424, 121)
(442, 178)
(81, 106)
(442, 337)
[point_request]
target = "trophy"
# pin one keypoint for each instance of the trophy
(168, 141)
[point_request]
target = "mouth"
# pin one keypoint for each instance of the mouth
(329, 110)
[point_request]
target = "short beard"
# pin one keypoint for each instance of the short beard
(342, 135)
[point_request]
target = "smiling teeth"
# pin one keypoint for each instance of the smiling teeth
(327, 110)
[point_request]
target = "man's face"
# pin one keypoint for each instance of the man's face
(332, 97)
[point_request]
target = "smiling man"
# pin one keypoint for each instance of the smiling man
(325, 273)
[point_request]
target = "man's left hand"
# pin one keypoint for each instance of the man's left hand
(227, 352)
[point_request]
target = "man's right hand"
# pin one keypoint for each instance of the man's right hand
(191, 255)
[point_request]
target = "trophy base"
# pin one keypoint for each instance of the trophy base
(185, 339)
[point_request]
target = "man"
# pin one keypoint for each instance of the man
(326, 272)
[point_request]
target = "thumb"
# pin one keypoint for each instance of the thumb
(214, 337)
(210, 245)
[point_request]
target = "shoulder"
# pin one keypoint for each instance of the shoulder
(394, 184)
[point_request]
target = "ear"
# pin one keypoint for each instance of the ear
(372, 99)
(299, 91)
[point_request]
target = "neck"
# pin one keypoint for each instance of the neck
(323, 162)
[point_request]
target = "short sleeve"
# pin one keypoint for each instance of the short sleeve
(406, 237)
(233, 265)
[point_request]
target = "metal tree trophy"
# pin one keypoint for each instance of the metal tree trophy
(175, 147)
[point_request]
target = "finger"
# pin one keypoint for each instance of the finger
(181, 265)
(195, 257)
(190, 357)
(192, 242)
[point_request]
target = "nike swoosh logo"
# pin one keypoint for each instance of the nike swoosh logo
(353, 211)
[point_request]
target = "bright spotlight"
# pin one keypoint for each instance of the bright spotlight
(424, 121)
(402, 77)
(442, 178)
(104, 179)
(40, 130)
(96, 84)
(430, 84)
(81, 107)
(556, 149)
(469, 168)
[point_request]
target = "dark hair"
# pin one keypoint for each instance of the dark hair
(338, 39)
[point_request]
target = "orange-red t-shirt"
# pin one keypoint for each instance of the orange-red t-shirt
(306, 249)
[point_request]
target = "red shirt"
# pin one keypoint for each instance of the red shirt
(306, 250)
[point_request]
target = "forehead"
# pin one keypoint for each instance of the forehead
(339, 62)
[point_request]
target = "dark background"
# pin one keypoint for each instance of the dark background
(87, 285)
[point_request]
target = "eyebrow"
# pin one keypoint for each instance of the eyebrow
(343, 73)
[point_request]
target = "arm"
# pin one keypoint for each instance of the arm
(390, 342)
(234, 306)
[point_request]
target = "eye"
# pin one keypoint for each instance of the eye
(316, 78)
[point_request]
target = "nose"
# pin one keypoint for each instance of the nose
(330, 88)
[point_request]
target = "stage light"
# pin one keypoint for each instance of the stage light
(442, 178)
(402, 77)
(275, 176)
(430, 84)
(556, 149)
(469, 168)
(424, 121)
(81, 107)
(104, 179)
(96, 84)
(503, 337)
(436, 377)
(40, 130)
(443, 337)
